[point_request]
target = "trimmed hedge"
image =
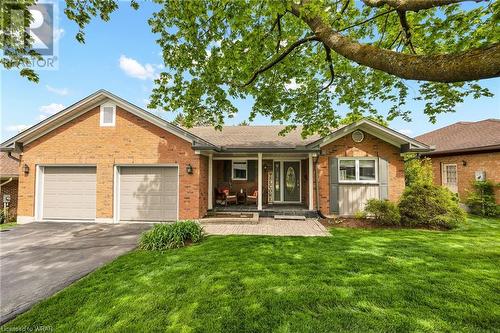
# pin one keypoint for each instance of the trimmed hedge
(174, 235)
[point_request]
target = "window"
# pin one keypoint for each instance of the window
(240, 170)
(108, 115)
(347, 170)
(357, 170)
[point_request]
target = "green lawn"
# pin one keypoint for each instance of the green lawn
(7, 225)
(358, 280)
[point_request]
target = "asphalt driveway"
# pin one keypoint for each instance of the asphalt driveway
(39, 259)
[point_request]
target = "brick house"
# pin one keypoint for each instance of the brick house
(9, 175)
(464, 152)
(104, 159)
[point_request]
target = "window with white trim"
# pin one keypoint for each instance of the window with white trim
(108, 115)
(240, 169)
(358, 170)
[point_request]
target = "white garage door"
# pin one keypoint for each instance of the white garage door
(69, 193)
(148, 193)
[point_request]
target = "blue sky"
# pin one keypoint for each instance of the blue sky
(122, 57)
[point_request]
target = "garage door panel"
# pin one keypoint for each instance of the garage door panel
(69, 193)
(148, 193)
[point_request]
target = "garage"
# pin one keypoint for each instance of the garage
(148, 193)
(69, 193)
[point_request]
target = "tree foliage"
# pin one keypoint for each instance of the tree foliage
(418, 171)
(303, 61)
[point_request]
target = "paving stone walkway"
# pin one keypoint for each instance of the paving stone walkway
(270, 227)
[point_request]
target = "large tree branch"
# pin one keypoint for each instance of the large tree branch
(413, 5)
(279, 58)
(474, 64)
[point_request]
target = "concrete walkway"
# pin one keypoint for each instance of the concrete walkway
(39, 259)
(270, 227)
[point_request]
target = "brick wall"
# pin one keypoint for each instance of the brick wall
(488, 162)
(10, 189)
(132, 141)
(371, 146)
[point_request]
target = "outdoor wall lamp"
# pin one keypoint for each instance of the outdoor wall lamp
(26, 169)
(464, 163)
(189, 169)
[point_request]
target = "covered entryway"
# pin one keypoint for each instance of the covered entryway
(148, 193)
(68, 192)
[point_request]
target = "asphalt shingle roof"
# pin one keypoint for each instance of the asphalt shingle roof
(8, 166)
(253, 136)
(464, 136)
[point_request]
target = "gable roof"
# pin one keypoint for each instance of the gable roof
(231, 138)
(464, 137)
(254, 137)
(9, 167)
(391, 136)
(88, 103)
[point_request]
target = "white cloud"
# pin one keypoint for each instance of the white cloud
(51, 108)
(58, 91)
(406, 131)
(58, 34)
(17, 128)
(134, 69)
(293, 85)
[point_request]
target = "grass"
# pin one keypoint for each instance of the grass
(358, 280)
(7, 225)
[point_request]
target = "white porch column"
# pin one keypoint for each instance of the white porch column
(210, 179)
(259, 182)
(311, 182)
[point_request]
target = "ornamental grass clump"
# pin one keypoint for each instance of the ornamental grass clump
(167, 236)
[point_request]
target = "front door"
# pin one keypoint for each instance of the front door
(291, 181)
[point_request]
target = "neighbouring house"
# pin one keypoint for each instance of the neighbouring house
(9, 175)
(465, 152)
(104, 159)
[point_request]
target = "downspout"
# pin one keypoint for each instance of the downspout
(317, 187)
(9, 154)
(6, 182)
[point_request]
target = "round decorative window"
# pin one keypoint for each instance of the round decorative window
(290, 179)
(357, 136)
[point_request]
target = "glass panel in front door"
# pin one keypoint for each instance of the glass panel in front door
(277, 187)
(291, 172)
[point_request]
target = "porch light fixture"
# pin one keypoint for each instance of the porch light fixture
(189, 169)
(464, 162)
(26, 169)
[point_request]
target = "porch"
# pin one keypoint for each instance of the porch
(270, 184)
(269, 210)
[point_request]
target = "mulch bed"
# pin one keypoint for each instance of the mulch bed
(351, 222)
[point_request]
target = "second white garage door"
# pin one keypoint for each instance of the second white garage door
(148, 193)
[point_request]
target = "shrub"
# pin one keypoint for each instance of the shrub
(418, 171)
(430, 205)
(383, 211)
(482, 200)
(360, 214)
(166, 236)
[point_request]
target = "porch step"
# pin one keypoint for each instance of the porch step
(289, 217)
